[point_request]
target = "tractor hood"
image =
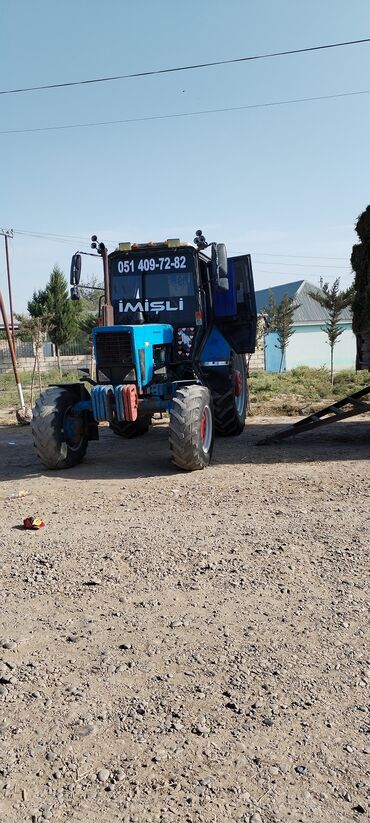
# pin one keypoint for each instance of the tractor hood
(129, 354)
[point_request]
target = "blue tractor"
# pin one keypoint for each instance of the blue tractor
(177, 321)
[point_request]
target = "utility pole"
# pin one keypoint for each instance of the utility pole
(12, 354)
(23, 414)
(6, 234)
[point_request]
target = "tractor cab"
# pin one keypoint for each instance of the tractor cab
(154, 284)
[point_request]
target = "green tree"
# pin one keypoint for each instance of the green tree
(63, 313)
(90, 293)
(280, 320)
(37, 305)
(334, 301)
(87, 323)
(360, 260)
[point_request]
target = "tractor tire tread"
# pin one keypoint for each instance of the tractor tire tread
(228, 423)
(46, 429)
(184, 429)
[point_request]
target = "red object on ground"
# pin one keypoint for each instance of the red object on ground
(130, 402)
(33, 523)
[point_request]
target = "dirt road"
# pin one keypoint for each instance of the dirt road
(187, 647)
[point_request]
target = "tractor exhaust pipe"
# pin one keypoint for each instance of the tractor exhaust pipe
(108, 319)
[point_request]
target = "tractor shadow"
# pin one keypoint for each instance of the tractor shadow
(340, 441)
(148, 456)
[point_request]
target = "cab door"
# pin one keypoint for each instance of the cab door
(235, 310)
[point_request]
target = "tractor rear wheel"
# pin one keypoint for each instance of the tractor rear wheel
(59, 435)
(131, 428)
(191, 432)
(231, 407)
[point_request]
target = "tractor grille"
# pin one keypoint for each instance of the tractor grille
(113, 348)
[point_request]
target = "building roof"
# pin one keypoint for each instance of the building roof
(308, 310)
(262, 296)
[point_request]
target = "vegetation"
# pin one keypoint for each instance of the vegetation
(334, 301)
(37, 306)
(280, 320)
(87, 319)
(63, 313)
(90, 293)
(360, 261)
(301, 390)
(58, 316)
(87, 324)
(33, 329)
(8, 391)
(294, 392)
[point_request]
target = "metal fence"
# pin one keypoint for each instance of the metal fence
(75, 348)
(23, 349)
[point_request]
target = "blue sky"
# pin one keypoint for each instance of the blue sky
(275, 182)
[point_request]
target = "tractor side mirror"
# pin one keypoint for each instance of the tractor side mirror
(221, 277)
(75, 270)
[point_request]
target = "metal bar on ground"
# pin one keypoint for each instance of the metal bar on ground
(330, 414)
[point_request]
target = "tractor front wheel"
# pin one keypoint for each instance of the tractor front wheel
(59, 434)
(191, 432)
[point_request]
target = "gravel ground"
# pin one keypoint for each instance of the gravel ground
(187, 647)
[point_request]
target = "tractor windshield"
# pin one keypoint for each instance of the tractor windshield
(156, 288)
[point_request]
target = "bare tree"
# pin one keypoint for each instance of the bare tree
(281, 319)
(33, 329)
(334, 301)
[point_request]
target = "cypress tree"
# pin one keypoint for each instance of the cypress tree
(63, 314)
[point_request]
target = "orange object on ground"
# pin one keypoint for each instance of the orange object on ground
(33, 523)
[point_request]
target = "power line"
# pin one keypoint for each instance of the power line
(67, 237)
(299, 275)
(185, 114)
(48, 234)
(299, 256)
(53, 237)
(187, 68)
(300, 265)
(62, 241)
(280, 274)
